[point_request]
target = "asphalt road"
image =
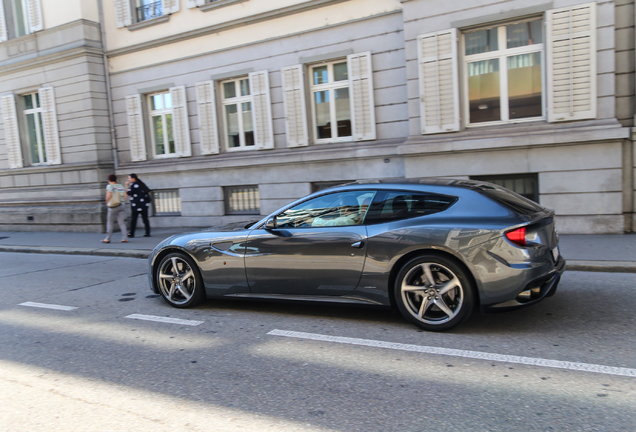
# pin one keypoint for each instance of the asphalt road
(566, 364)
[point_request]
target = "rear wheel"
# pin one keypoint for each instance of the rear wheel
(433, 293)
(179, 281)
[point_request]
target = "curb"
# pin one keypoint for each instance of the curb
(126, 253)
(602, 266)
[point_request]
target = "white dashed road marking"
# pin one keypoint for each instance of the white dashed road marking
(48, 306)
(165, 319)
(530, 361)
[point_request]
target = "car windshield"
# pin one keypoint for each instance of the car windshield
(518, 203)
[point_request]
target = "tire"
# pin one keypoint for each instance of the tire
(179, 281)
(439, 305)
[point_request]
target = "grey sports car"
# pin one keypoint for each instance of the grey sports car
(435, 249)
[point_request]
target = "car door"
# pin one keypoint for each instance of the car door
(316, 248)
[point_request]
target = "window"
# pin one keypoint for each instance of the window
(335, 209)
(331, 106)
(242, 200)
(503, 70)
(160, 109)
(516, 71)
(148, 9)
(526, 185)
(34, 128)
(19, 18)
(341, 101)
(396, 205)
(237, 113)
(166, 202)
(129, 12)
(166, 121)
(30, 127)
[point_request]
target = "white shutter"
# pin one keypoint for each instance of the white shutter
(34, 14)
(361, 94)
(3, 25)
(208, 129)
(170, 6)
(571, 62)
(194, 3)
(261, 109)
(123, 14)
(295, 107)
(180, 124)
(49, 123)
(439, 81)
(136, 128)
(11, 131)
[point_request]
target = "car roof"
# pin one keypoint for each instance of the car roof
(415, 184)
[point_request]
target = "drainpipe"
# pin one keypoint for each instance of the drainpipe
(111, 118)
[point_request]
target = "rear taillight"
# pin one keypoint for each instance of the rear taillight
(517, 236)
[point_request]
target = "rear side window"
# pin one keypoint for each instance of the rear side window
(395, 205)
(510, 199)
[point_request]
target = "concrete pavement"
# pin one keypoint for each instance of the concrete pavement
(604, 253)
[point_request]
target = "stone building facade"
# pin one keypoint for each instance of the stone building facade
(229, 109)
(55, 145)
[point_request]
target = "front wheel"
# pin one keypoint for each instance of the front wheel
(433, 293)
(179, 281)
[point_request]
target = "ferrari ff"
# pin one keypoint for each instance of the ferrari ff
(434, 249)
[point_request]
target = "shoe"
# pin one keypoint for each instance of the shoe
(146, 235)
(124, 241)
(105, 241)
(131, 235)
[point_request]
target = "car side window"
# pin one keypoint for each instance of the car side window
(396, 205)
(335, 209)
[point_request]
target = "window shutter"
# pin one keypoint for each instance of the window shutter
(261, 109)
(571, 62)
(439, 81)
(170, 6)
(194, 3)
(362, 102)
(123, 14)
(3, 26)
(136, 128)
(295, 107)
(49, 123)
(208, 128)
(11, 131)
(180, 124)
(34, 13)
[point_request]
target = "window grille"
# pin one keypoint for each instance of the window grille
(148, 10)
(166, 202)
(242, 200)
(526, 185)
(318, 186)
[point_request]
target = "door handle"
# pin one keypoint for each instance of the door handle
(358, 245)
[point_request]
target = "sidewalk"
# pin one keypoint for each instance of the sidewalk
(603, 253)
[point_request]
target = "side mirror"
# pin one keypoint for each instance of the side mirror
(271, 223)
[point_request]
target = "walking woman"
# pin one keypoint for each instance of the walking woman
(115, 198)
(139, 203)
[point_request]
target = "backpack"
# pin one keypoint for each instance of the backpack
(115, 199)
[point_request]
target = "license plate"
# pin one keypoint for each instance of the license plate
(555, 253)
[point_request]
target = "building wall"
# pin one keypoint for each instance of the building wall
(580, 165)
(282, 173)
(67, 56)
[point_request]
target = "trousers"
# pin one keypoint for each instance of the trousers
(116, 213)
(144, 216)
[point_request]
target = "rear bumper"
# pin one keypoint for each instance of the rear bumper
(533, 292)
